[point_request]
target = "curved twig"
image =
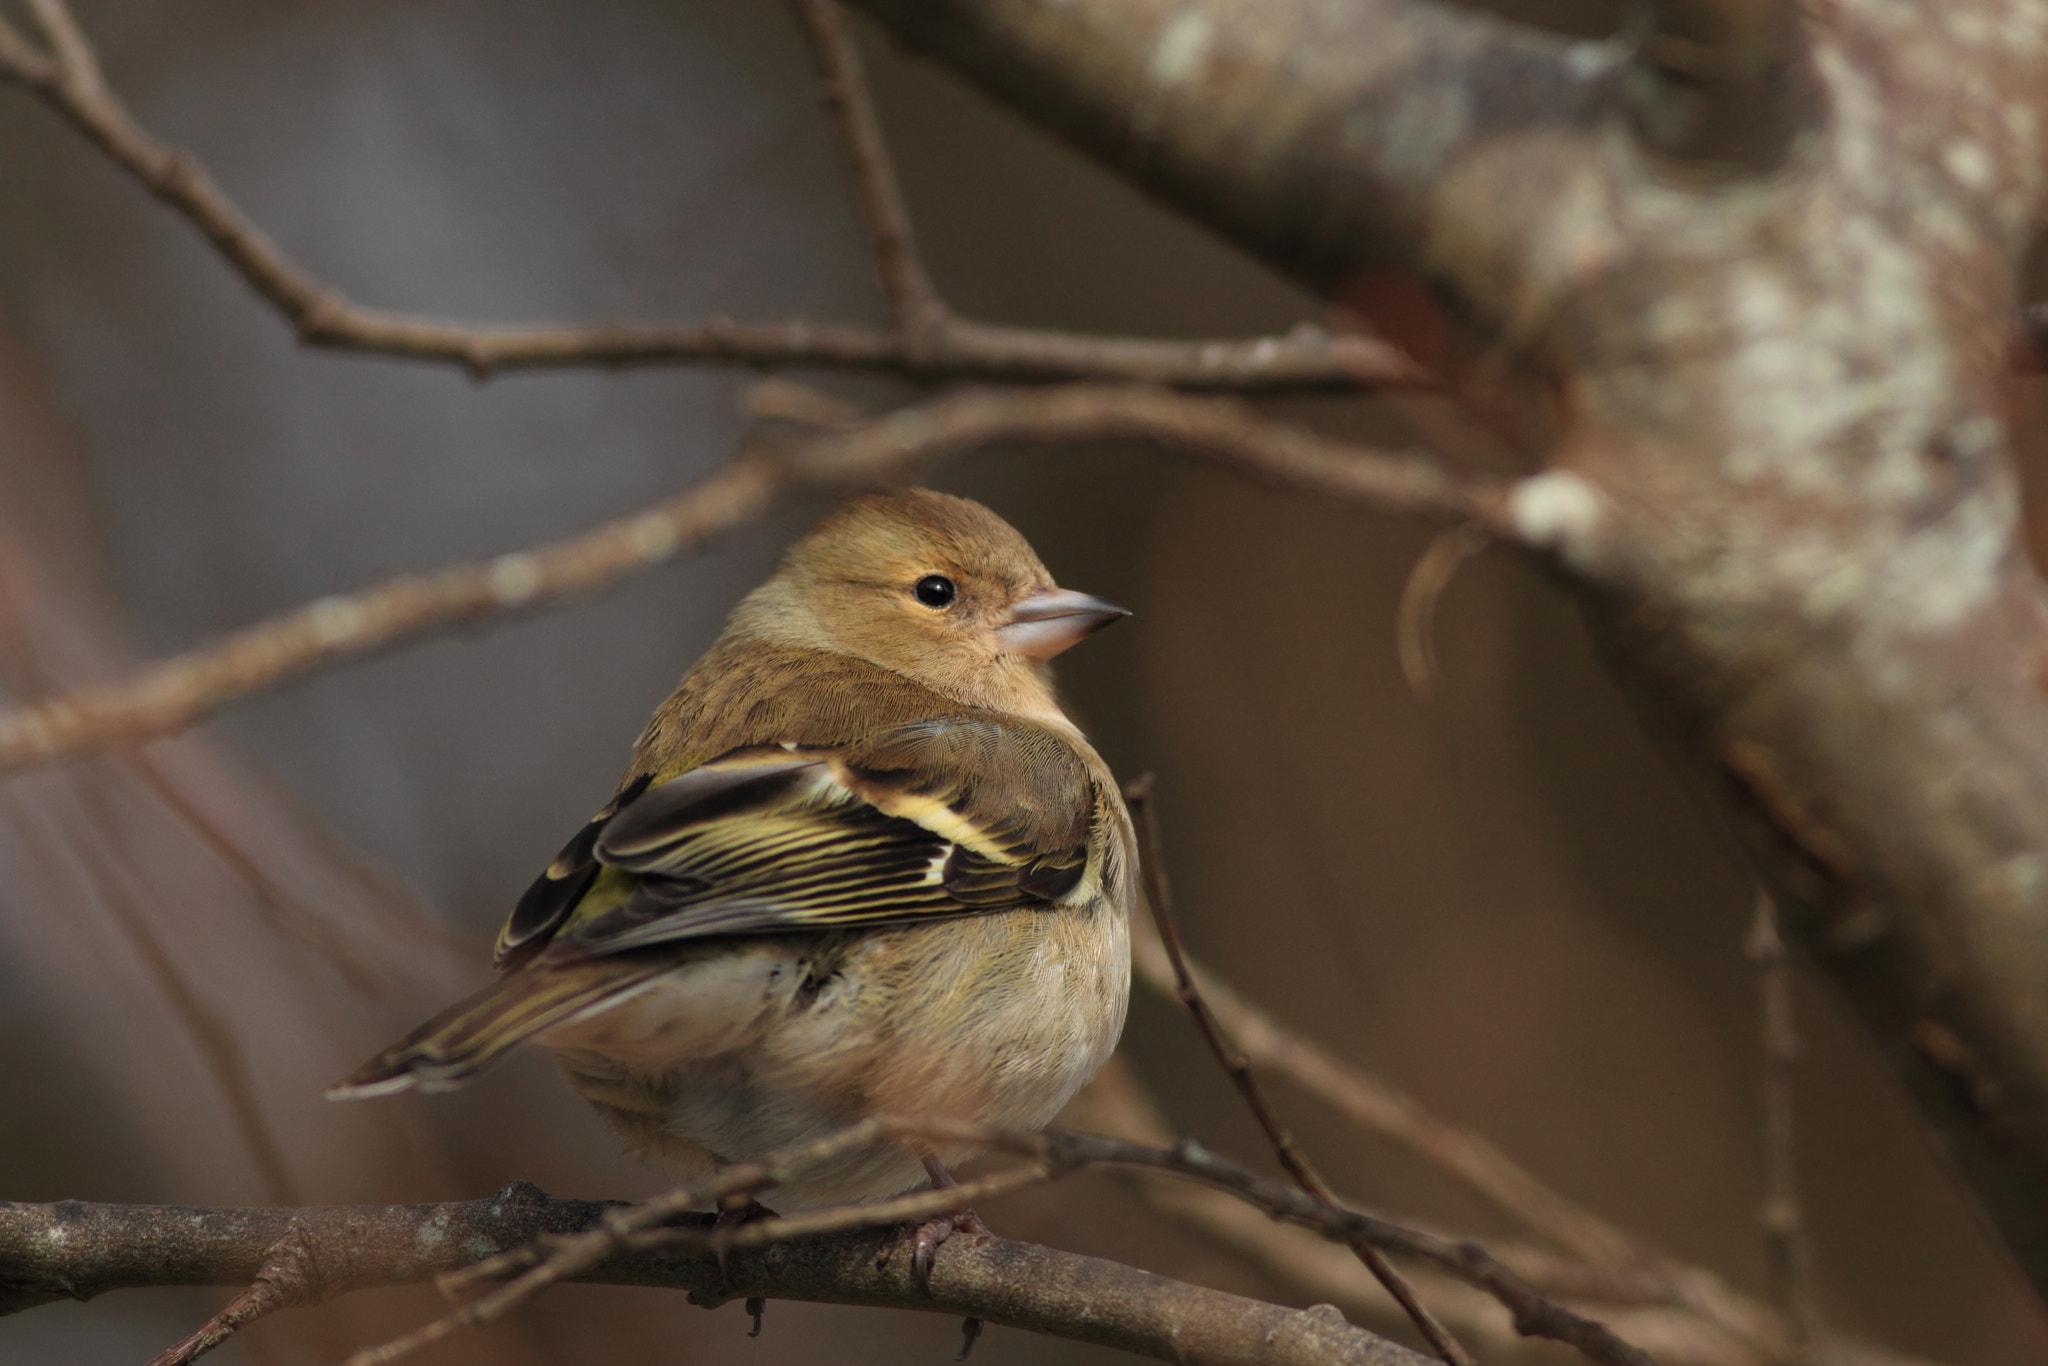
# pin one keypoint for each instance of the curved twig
(172, 694)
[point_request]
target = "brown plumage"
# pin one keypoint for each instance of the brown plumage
(861, 862)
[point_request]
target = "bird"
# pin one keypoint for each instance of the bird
(861, 862)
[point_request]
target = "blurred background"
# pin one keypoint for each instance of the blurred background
(1496, 898)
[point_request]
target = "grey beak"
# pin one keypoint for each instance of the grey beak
(1052, 619)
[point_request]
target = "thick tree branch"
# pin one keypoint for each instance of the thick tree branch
(1328, 139)
(170, 695)
(1782, 487)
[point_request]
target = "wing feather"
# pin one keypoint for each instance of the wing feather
(947, 816)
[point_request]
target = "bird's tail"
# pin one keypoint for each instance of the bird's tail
(475, 1032)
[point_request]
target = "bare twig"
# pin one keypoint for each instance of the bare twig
(1159, 895)
(67, 78)
(1415, 624)
(1637, 1308)
(1788, 1252)
(1629, 1269)
(289, 1276)
(914, 304)
(168, 696)
(172, 694)
(1534, 1314)
(220, 1050)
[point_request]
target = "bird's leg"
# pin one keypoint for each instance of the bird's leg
(932, 1232)
(733, 1216)
(936, 1230)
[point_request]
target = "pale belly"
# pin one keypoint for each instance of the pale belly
(994, 1019)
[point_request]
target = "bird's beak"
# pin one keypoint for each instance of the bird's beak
(1051, 619)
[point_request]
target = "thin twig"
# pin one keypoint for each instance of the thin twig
(214, 1039)
(1786, 1247)
(914, 304)
(290, 1276)
(67, 78)
(172, 694)
(1467, 1158)
(1159, 894)
(1415, 623)
(1535, 1314)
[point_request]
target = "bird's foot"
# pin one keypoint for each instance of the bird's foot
(924, 1245)
(927, 1237)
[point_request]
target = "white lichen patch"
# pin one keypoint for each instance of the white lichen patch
(334, 620)
(1423, 129)
(1588, 61)
(432, 1234)
(1969, 162)
(1932, 580)
(1183, 48)
(1556, 510)
(514, 579)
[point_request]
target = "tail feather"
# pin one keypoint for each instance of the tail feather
(475, 1032)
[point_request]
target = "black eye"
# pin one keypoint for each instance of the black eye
(935, 590)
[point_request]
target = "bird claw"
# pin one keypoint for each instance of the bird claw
(926, 1240)
(970, 1329)
(734, 1217)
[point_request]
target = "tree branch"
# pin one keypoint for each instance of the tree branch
(914, 305)
(1159, 898)
(1724, 85)
(941, 347)
(1637, 1308)
(172, 694)
(1781, 481)
(1326, 139)
(75, 1250)
(1617, 1267)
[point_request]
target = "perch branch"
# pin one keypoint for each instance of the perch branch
(1159, 897)
(76, 1250)
(172, 694)
(67, 78)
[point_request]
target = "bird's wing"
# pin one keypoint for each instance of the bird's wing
(942, 817)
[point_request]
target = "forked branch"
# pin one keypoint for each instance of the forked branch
(65, 74)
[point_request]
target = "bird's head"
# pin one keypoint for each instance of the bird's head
(927, 585)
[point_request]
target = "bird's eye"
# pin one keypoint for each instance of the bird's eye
(935, 590)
